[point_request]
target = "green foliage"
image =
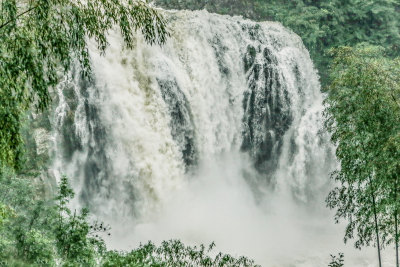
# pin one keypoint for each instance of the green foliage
(363, 115)
(5, 213)
(23, 235)
(173, 253)
(337, 261)
(43, 232)
(41, 39)
(37, 248)
(75, 237)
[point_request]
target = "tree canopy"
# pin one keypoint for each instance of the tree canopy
(363, 115)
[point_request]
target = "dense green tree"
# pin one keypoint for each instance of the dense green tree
(36, 231)
(40, 40)
(363, 116)
(24, 235)
(77, 240)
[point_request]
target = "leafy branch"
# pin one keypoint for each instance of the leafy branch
(17, 17)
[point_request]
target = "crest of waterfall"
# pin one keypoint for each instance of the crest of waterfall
(222, 123)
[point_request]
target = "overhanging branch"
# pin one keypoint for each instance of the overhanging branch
(19, 15)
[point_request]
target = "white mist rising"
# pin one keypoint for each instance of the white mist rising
(219, 205)
(214, 137)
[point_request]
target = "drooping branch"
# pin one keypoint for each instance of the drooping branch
(19, 15)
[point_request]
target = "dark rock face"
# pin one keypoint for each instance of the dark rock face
(249, 58)
(95, 168)
(266, 113)
(70, 142)
(181, 125)
(96, 165)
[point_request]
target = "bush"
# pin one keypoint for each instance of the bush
(173, 253)
(337, 261)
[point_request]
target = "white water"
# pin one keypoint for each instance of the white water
(128, 131)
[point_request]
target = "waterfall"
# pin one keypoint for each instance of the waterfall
(215, 136)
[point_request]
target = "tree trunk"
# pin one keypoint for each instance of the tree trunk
(396, 223)
(396, 238)
(377, 230)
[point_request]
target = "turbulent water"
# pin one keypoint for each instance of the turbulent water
(216, 136)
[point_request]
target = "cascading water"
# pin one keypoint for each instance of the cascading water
(216, 136)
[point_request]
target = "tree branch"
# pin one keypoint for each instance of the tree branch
(395, 100)
(19, 15)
